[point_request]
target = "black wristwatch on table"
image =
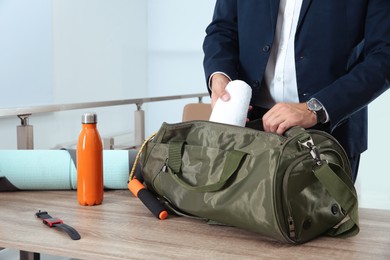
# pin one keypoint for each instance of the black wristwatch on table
(56, 222)
(317, 108)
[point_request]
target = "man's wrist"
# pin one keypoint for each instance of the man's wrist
(215, 76)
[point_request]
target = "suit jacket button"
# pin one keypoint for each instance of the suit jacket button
(266, 48)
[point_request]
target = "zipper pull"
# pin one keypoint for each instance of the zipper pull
(165, 166)
(291, 227)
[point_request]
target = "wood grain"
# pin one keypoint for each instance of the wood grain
(122, 228)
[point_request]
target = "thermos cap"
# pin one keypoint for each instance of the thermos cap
(89, 118)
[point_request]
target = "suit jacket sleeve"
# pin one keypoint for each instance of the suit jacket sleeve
(368, 68)
(221, 42)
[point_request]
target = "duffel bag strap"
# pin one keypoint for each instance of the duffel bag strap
(340, 187)
(232, 162)
(343, 191)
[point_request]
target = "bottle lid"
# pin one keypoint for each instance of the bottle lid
(89, 118)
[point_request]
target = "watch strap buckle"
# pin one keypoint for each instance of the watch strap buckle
(52, 221)
(39, 214)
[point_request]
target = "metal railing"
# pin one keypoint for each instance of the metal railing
(25, 134)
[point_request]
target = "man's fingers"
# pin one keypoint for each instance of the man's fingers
(219, 83)
(283, 116)
(224, 96)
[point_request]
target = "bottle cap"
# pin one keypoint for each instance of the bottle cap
(89, 118)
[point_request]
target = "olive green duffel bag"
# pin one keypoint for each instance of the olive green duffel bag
(291, 188)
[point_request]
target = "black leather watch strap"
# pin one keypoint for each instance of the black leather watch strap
(56, 222)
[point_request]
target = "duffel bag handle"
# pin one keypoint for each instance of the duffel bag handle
(233, 160)
(341, 188)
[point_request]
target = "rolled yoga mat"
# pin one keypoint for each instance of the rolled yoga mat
(235, 110)
(56, 169)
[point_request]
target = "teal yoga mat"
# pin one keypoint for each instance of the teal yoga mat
(56, 170)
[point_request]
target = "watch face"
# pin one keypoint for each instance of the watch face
(314, 105)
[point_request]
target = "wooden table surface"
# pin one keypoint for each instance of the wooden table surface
(122, 228)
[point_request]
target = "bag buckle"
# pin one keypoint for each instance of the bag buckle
(308, 143)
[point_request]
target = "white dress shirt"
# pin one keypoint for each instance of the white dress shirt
(280, 74)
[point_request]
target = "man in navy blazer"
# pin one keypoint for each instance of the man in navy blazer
(342, 60)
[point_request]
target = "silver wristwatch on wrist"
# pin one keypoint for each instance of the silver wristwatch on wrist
(317, 108)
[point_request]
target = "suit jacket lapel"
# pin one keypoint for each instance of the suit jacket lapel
(274, 6)
(304, 8)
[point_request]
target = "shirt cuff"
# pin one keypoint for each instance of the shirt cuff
(327, 116)
(217, 72)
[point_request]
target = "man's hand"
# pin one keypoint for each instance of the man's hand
(283, 116)
(218, 85)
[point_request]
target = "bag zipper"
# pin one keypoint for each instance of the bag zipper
(290, 220)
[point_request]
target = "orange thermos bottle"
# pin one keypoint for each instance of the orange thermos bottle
(89, 163)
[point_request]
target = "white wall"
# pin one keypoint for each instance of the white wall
(176, 30)
(100, 50)
(69, 51)
(25, 53)
(66, 51)
(25, 60)
(373, 181)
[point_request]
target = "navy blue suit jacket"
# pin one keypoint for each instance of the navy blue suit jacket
(342, 55)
